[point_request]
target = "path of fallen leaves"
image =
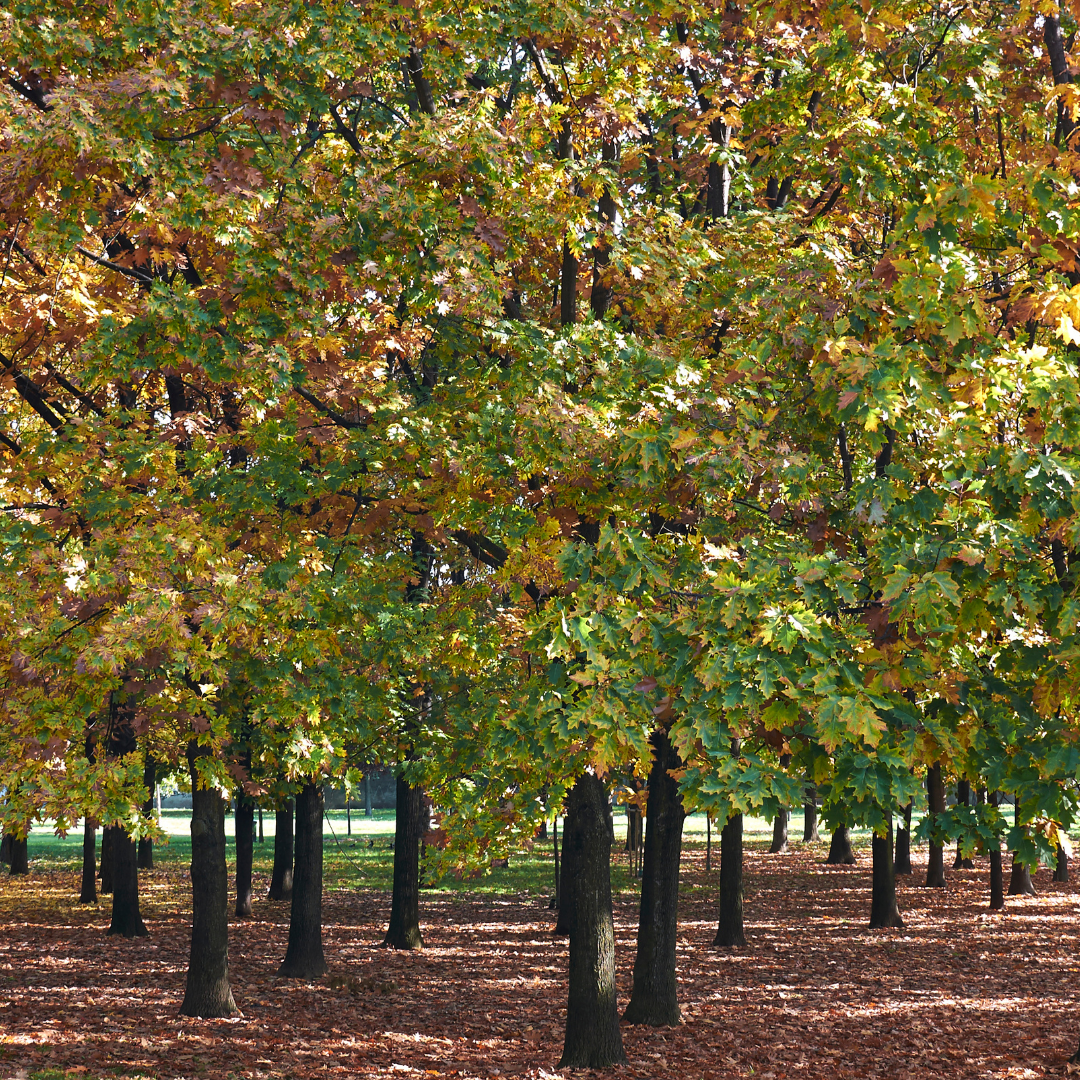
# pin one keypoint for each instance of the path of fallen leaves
(957, 993)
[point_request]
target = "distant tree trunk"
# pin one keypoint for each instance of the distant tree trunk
(126, 920)
(902, 858)
(556, 898)
(244, 815)
(779, 833)
(404, 929)
(281, 880)
(655, 997)
(840, 853)
(106, 873)
(304, 956)
(935, 799)
(20, 856)
(810, 829)
(1061, 867)
(208, 992)
(593, 1039)
(883, 909)
(708, 842)
(963, 798)
(1020, 878)
(145, 859)
(997, 878)
(88, 893)
(729, 929)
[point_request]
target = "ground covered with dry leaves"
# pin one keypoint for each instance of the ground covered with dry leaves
(957, 993)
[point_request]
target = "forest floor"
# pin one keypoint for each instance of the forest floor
(957, 993)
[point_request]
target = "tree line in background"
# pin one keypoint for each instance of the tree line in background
(528, 395)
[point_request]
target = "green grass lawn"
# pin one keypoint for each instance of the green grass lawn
(360, 853)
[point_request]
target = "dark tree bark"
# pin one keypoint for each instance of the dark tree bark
(5, 849)
(556, 898)
(304, 955)
(935, 798)
(106, 873)
(1020, 879)
(126, 920)
(1061, 867)
(281, 880)
(208, 992)
(244, 816)
(963, 798)
(779, 833)
(146, 845)
(883, 909)
(810, 816)
(655, 997)
(593, 1039)
(404, 929)
(20, 856)
(567, 883)
(840, 853)
(729, 928)
(997, 877)
(902, 857)
(88, 892)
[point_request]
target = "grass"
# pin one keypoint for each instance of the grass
(360, 853)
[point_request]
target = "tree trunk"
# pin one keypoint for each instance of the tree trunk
(20, 856)
(5, 849)
(304, 956)
(281, 881)
(1061, 867)
(404, 929)
(883, 909)
(107, 835)
(146, 845)
(208, 992)
(729, 929)
(997, 878)
(593, 1039)
(840, 853)
(554, 903)
(935, 799)
(88, 893)
(244, 816)
(126, 920)
(567, 882)
(810, 829)
(1020, 878)
(963, 798)
(902, 858)
(655, 999)
(779, 833)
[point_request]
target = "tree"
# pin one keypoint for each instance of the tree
(304, 956)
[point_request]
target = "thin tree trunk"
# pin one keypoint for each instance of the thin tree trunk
(126, 919)
(963, 798)
(208, 992)
(708, 843)
(1020, 879)
(88, 893)
(729, 928)
(997, 877)
(145, 859)
(810, 816)
(593, 1039)
(935, 799)
(902, 858)
(779, 833)
(281, 880)
(304, 956)
(107, 836)
(404, 929)
(554, 903)
(655, 997)
(840, 853)
(244, 816)
(1061, 867)
(883, 909)
(20, 856)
